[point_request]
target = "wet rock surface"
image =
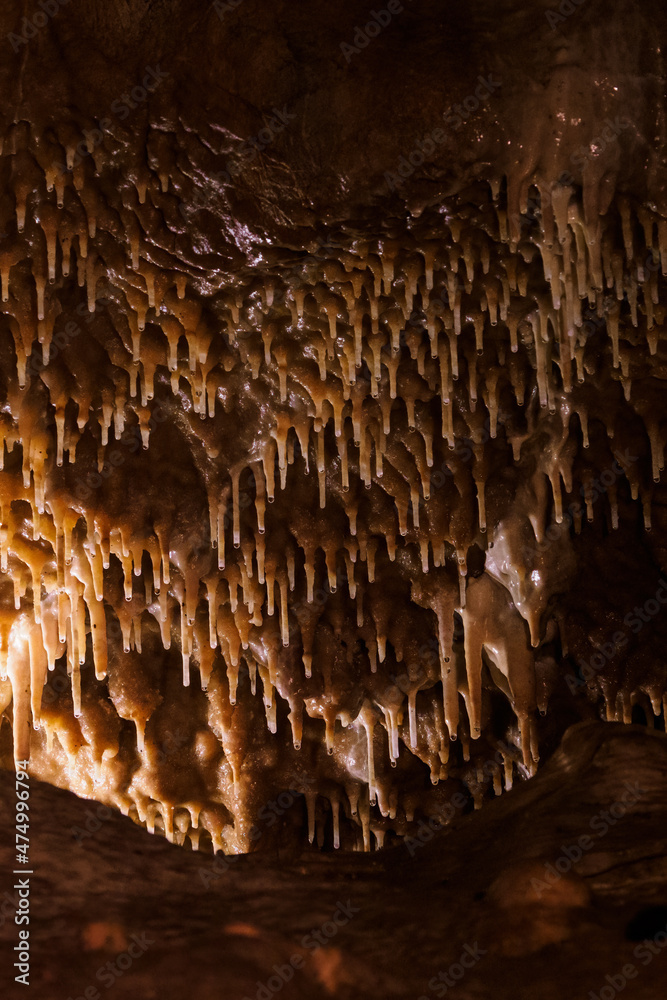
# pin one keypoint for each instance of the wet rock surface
(331, 399)
(505, 881)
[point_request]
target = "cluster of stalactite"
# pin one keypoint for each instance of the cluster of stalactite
(357, 473)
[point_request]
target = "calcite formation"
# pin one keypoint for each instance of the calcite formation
(361, 503)
(507, 886)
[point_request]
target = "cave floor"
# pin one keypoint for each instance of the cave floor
(535, 892)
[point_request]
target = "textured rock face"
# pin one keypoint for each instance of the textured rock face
(332, 405)
(503, 889)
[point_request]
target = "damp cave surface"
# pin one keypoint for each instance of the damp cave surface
(333, 535)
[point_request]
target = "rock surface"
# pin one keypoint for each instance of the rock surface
(488, 883)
